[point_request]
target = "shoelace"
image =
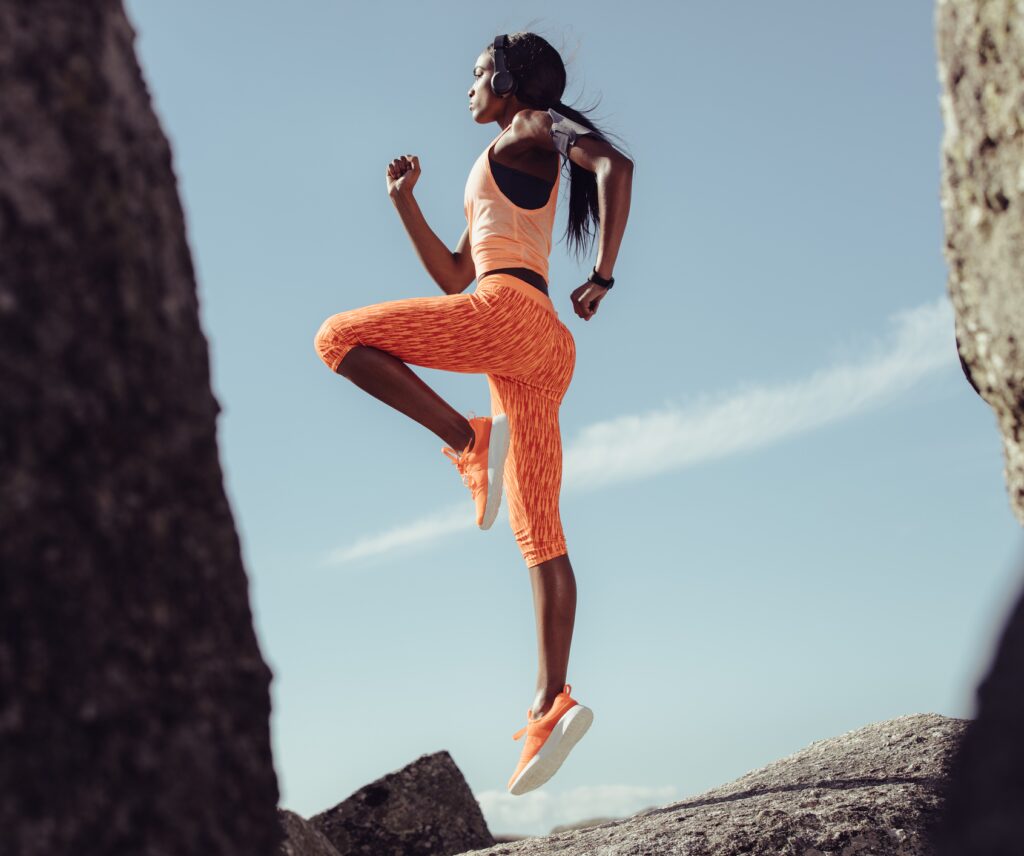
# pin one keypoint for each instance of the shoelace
(566, 690)
(458, 458)
(461, 465)
(529, 722)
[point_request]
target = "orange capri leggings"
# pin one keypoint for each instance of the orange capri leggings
(509, 331)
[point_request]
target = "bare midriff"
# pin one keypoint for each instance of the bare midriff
(526, 274)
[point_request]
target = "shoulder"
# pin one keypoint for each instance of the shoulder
(545, 129)
(531, 124)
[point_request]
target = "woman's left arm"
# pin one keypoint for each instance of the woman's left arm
(613, 171)
(614, 191)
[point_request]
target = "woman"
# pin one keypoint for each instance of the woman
(507, 329)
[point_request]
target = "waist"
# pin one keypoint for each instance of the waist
(501, 279)
(525, 274)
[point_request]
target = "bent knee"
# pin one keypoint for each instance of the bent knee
(333, 340)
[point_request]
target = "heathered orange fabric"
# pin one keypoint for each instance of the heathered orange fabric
(505, 329)
(501, 234)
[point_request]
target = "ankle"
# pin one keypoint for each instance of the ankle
(465, 437)
(543, 701)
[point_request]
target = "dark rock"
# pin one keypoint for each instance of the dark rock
(134, 701)
(303, 839)
(424, 809)
(869, 792)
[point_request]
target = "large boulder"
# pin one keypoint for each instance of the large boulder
(424, 809)
(981, 71)
(869, 792)
(134, 701)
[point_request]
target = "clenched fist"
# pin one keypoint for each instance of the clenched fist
(586, 299)
(402, 174)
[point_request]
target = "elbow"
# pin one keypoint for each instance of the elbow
(617, 166)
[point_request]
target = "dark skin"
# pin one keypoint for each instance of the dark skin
(528, 147)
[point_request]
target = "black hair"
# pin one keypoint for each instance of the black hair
(540, 83)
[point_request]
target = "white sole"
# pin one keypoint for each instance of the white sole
(497, 451)
(566, 734)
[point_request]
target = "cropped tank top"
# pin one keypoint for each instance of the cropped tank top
(501, 233)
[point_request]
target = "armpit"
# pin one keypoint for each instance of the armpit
(564, 131)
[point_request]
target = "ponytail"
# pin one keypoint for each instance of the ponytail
(583, 198)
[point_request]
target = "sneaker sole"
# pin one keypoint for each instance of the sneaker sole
(497, 451)
(566, 734)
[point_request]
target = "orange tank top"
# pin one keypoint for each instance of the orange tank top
(502, 234)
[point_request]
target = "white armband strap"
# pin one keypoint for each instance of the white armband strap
(564, 131)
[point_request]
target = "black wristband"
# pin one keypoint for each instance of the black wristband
(600, 280)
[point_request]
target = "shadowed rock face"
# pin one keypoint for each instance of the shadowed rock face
(870, 791)
(134, 702)
(981, 69)
(424, 809)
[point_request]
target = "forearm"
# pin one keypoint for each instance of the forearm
(614, 190)
(436, 257)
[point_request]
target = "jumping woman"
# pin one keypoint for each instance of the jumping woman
(508, 330)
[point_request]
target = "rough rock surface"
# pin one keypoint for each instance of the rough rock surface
(868, 792)
(981, 58)
(424, 809)
(303, 839)
(134, 702)
(981, 70)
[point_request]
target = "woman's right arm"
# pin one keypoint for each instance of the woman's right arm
(452, 271)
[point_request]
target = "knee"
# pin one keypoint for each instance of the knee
(333, 340)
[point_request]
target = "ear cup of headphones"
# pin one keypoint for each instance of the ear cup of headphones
(502, 81)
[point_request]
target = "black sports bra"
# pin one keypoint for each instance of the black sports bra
(525, 190)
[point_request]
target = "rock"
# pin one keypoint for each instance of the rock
(303, 839)
(868, 792)
(981, 68)
(981, 71)
(134, 700)
(424, 809)
(583, 824)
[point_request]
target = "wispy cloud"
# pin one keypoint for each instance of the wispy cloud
(635, 446)
(537, 812)
(421, 531)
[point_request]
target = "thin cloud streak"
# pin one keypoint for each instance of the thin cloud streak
(641, 445)
(444, 522)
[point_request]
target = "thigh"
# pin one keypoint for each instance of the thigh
(456, 332)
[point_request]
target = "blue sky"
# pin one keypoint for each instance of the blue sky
(784, 505)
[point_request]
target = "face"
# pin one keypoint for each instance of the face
(484, 105)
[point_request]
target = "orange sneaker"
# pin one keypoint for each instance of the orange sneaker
(548, 741)
(483, 467)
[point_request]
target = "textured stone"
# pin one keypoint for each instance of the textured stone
(981, 71)
(869, 792)
(424, 809)
(134, 702)
(303, 839)
(981, 57)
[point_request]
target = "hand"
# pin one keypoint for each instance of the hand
(586, 298)
(402, 174)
